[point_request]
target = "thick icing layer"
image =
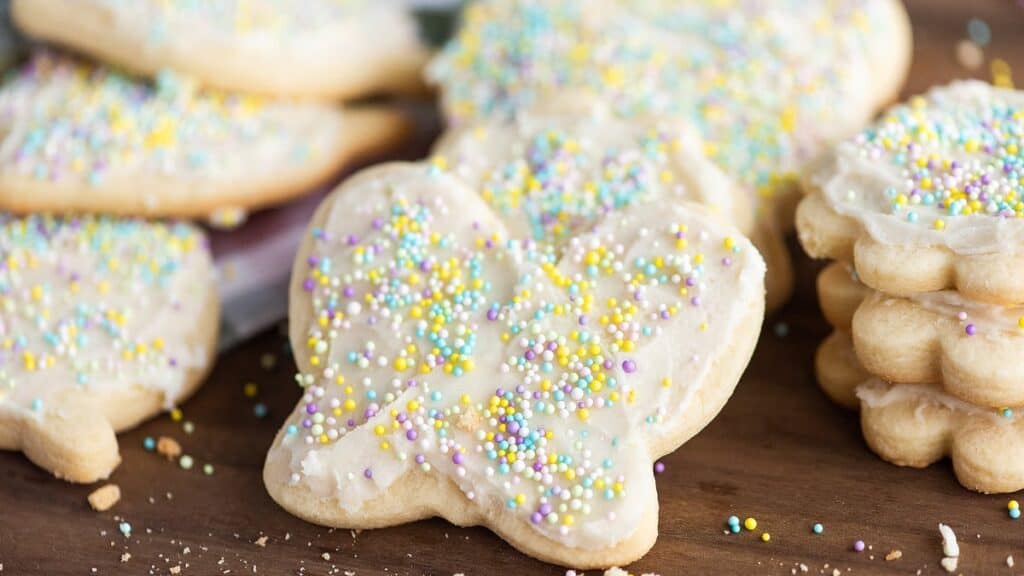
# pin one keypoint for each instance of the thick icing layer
(533, 377)
(552, 177)
(767, 84)
(98, 305)
(67, 122)
(945, 169)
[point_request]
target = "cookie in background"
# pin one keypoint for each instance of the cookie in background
(83, 138)
(104, 322)
(321, 49)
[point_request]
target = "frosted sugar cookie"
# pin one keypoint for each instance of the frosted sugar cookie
(451, 369)
(766, 84)
(81, 139)
(929, 198)
(917, 425)
(297, 48)
(972, 350)
(103, 323)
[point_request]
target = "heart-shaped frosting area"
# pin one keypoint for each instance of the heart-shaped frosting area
(541, 380)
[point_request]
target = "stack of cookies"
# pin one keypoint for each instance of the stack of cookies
(924, 214)
(107, 318)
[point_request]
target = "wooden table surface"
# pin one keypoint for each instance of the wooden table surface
(779, 452)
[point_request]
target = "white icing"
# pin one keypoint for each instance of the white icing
(64, 122)
(865, 176)
(98, 306)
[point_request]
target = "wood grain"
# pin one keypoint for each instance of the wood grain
(779, 452)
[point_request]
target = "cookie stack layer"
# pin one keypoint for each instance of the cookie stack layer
(924, 213)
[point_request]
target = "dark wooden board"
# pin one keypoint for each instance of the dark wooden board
(779, 452)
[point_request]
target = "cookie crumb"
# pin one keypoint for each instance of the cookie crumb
(105, 497)
(893, 555)
(949, 564)
(1009, 561)
(176, 569)
(326, 556)
(262, 541)
(168, 447)
(126, 557)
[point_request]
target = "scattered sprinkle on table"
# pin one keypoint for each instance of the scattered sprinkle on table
(858, 546)
(817, 528)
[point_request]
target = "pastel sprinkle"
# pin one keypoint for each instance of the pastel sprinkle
(858, 546)
(750, 523)
(185, 462)
(817, 528)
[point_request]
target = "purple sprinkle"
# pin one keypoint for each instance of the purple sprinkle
(420, 458)
(659, 467)
(311, 408)
(308, 285)
(410, 434)
(545, 508)
(368, 473)
(971, 330)
(536, 517)
(492, 314)
(458, 458)
(629, 366)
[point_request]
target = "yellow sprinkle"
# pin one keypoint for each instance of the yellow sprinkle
(750, 523)
(766, 537)
(176, 415)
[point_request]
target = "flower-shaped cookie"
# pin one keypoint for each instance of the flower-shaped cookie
(326, 49)
(929, 198)
(86, 139)
(916, 424)
(969, 349)
(103, 323)
(450, 369)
